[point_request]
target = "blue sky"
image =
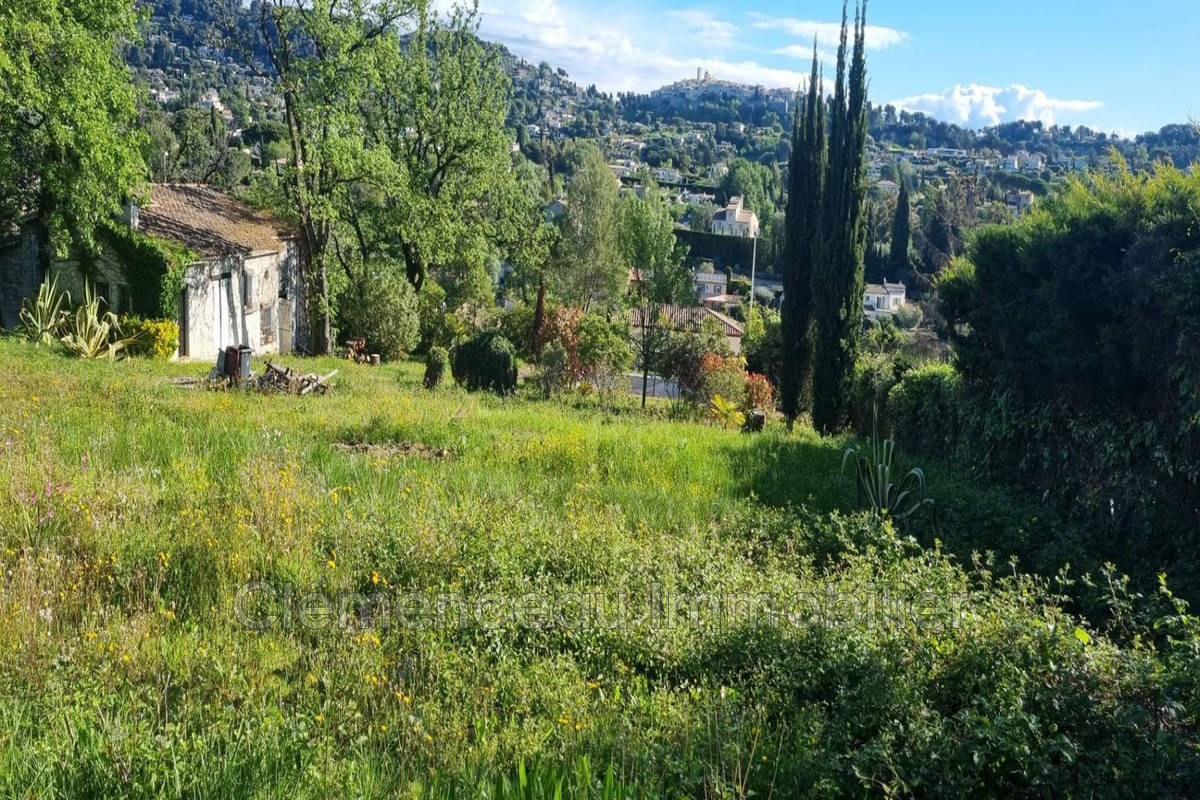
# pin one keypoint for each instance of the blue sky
(1116, 66)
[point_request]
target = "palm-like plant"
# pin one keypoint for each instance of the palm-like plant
(726, 412)
(92, 333)
(43, 317)
(876, 490)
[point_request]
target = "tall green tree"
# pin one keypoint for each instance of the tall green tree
(901, 236)
(648, 244)
(837, 282)
(70, 150)
(438, 112)
(588, 266)
(806, 177)
(323, 57)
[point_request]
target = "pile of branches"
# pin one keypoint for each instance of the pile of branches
(288, 381)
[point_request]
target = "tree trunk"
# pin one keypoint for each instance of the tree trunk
(539, 318)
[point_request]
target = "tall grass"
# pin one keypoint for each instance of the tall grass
(132, 510)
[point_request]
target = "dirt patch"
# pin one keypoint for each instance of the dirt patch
(392, 449)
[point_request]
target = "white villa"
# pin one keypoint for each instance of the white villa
(883, 299)
(735, 220)
(710, 284)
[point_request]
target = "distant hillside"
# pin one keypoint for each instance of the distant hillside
(181, 61)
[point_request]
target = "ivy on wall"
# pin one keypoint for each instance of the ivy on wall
(154, 269)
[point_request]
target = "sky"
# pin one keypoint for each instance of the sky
(1123, 67)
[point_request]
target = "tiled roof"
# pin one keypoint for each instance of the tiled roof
(209, 221)
(684, 318)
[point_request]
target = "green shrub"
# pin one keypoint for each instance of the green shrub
(155, 338)
(486, 361)
(435, 367)
(874, 377)
(384, 312)
(554, 362)
(763, 342)
(924, 409)
(433, 329)
(603, 348)
(517, 326)
(908, 317)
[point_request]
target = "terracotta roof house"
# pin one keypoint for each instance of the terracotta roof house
(242, 288)
(689, 319)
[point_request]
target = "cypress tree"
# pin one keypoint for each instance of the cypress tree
(901, 236)
(837, 280)
(806, 174)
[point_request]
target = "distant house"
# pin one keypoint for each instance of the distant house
(889, 187)
(244, 287)
(689, 196)
(1018, 201)
(735, 220)
(667, 175)
(721, 302)
(952, 153)
(1031, 162)
(687, 319)
(710, 284)
(883, 299)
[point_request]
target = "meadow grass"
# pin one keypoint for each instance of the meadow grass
(133, 511)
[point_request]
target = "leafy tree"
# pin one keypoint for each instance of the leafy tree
(436, 122)
(1079, 329)
(70, 149)
(323, 56)
(700, 216)
(589, 269)
(648, 244)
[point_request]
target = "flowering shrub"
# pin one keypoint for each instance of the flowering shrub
(724, 376)
(759, 393)
(596, 349)
(156, 338)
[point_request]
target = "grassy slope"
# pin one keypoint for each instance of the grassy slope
(125, 671)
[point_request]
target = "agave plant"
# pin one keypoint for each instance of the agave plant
(726, 412)
(43, 317)
(92, 333)
(876, 490)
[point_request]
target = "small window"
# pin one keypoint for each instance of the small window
(103, 292)
(248, 290)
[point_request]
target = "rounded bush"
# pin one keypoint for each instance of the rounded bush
(924, 409)
(435, 367)
(485, 361)
(155, 338)
(384, 312)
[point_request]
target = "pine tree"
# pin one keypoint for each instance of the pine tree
(806, 174)
(901, 236)
(837, 280)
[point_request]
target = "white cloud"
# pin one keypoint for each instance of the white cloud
(978, 106)
(705, 27)
(827, 33)
(593, 47)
